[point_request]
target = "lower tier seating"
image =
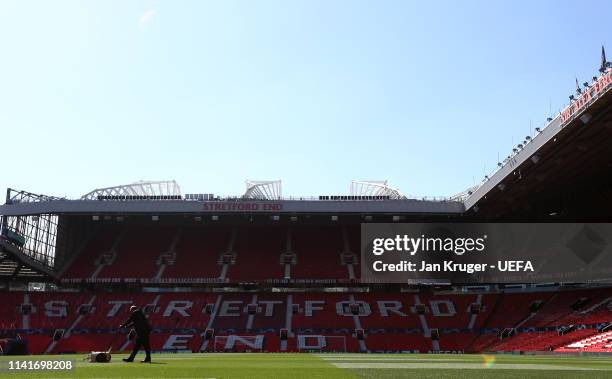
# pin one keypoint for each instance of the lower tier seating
(80, 321)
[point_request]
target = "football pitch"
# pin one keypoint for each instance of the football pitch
(298, 366)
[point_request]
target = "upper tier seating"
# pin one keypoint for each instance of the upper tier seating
(137, 253)
(318, 252)
(84, 264)
(258, 251)
(196, 253)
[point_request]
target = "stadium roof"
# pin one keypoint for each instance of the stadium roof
(573, 149)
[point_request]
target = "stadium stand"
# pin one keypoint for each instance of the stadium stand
(197, 253)
(233, 254)
(601, 342)
(260, 272)
(417, 321)
(314, 245)
(137, 253)
(88, 260)
(258, 254)
(86, 315)
(389, 342)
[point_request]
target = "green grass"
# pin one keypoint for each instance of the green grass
(309, 366)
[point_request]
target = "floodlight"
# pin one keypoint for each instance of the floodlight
(585, 118)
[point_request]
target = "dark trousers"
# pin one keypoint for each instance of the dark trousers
(142, 340)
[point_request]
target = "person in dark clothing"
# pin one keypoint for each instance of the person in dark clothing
(141, 325)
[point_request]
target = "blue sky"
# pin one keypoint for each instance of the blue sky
(316, 93)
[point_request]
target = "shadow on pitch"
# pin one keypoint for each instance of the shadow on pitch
(150, 363)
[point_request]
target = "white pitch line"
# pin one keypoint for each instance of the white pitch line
(461, 366)
(394, 360)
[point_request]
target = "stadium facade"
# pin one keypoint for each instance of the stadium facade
(263, 272)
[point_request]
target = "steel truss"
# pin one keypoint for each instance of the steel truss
(142, 188)
(14, 196)
(263, 190)
(375, 188)
(39, 231)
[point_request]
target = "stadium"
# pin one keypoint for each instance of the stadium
(279, 278)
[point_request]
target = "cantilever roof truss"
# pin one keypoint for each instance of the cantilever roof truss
(143, 188)
(263, 190)
(375, 188)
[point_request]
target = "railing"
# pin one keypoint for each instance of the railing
(330, 198)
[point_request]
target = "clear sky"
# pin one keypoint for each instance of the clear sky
(316, 93)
